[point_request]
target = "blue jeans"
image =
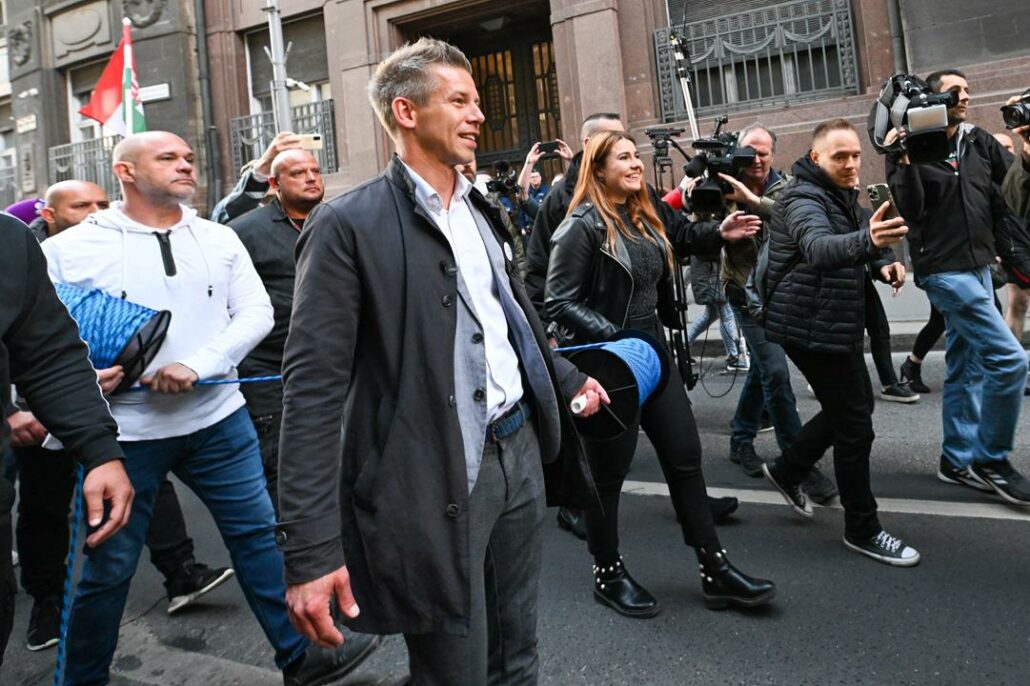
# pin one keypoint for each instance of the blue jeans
(767, 384)
(724, 313)
(222, 465)
(985, 367)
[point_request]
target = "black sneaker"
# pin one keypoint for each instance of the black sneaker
(745, 455)
(911, 374)
(794, 495)
(886, 549)
(319, 665)
(1003, 479)
(573, 522)
(899, 393)
(44, 624)
(737, 363)
(950, 474)
(818, 487)
(195, 581)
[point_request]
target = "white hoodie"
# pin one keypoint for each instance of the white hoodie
(219, 307)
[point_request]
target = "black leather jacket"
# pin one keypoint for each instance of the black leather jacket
(588, 288)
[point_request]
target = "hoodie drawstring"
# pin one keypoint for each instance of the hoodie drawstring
(207, 267)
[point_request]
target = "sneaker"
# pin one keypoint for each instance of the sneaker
(44, 624)
(745, 455)
(950, 474)
(737, 363)
(319, 665)
(722, 508)
(1003, 479)
(14, 558)
(195, 581)
(911, 375)
(794, 495)
(899, 393)
(818, 487)
(886, 549)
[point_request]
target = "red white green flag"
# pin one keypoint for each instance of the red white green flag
(115, 101)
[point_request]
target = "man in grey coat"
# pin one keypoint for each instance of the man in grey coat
(424, 415)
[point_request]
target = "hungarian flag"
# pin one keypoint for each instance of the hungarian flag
(115, 101)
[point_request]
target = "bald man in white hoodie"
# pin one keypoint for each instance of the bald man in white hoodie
(155, 251)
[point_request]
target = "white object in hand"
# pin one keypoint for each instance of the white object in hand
(578, 404)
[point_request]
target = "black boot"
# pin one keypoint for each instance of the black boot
(614, 587)
(723, 584)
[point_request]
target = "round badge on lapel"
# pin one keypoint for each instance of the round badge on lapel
(507, 252)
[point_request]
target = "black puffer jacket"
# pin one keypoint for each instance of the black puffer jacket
(818, 252)
(589, 286)
(953, 216)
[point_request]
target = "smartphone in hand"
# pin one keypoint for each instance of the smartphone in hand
(548, 148)
(879, 193)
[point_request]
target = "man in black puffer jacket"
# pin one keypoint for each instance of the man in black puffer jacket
(818, 251)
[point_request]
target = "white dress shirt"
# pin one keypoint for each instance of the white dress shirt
(504, 381)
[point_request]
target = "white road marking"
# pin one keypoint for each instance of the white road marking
(160, 664)
(901, 505)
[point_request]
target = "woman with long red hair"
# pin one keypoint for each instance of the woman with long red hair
(610, 269)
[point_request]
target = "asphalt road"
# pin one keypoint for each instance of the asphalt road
(960, 617)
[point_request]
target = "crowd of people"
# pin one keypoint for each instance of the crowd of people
(395, 477)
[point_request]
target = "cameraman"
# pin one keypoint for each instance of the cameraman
(1016, 189)
(953, 209)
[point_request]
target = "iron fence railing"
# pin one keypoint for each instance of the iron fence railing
(251, 135)
(8, 185)
(783, 52)
(88, 160)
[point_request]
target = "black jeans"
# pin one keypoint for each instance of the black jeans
(879, 335)
(929, 334)
(46, 481)
(845, 421)
(669, 423)
(267, 427)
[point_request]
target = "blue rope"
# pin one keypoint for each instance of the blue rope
(106, 322)
(66, 605)
(641, 358)
(221, 382)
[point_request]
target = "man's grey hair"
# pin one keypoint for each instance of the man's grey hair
(406, 74)
(759, 127)
(592, 124)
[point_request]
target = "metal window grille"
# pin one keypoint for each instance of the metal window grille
(252, 135)
(781, 53)
(88, 160)
(8, 184)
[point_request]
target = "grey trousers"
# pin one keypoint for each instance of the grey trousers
(506, 514)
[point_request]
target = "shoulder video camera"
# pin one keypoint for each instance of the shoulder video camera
(1018, 113)
(908, 101)
(719, 154)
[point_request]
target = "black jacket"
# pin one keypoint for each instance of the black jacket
(271, 239)
(818, 252)
(41, 352)
(589, 286)
(688, 237)
(952, 216)
(371, 352)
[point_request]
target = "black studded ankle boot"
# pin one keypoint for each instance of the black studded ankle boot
(614, 587)
(723, 584)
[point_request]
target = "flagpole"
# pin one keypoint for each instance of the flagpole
(127, 102)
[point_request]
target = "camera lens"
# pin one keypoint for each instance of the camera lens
(1016, 115)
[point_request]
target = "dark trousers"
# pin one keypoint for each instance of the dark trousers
(505, 515)
(46, 482)
(879, 335)
(669, 423)
(8, 586)
(267, 427)
(845, 421)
